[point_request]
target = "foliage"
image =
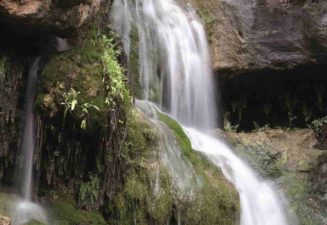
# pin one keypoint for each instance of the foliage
(317, 124)
(89, 191)
(83, 100)
(87, 80)
(229, 127)
(71, 102)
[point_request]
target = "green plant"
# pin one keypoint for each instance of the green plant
(229, 127)
(71, 103)
(317, 124)
(89, 191)
(291, 119)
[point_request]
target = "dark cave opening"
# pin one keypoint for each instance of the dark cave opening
(286, 99)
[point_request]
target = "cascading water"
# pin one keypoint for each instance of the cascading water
(173, 57)
(181, 171)
(25, 210)
(175, 65)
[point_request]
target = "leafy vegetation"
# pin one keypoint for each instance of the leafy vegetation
(87, 80)
(317, 124)
(83, 100)
(89, 191)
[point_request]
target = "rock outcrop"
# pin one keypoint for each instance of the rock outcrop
(11, 85)
(60, 17)
(256, 35)
(4, 220)
(289, 157)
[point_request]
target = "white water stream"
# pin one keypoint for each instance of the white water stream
(25, 210)
(175, 74)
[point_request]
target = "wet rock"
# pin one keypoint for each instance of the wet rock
(4, 220)
(57, 16)
(11, 85)
(292, 160)
(295, 148)
(257, 35)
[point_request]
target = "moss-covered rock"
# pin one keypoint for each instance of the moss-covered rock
(82, 103)
(216, 202)
(63, 211)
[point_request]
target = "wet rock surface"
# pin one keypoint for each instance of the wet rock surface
(292, 160)
(11, 85)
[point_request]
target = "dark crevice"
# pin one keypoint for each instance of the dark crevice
(291, 98)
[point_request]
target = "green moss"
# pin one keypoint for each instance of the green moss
(34, 222)
(138, 202)
(5, 203)
(262, 159)
(83, 100)
(217, 201)
(297, 190)
(64, 212)
(89, 191)
(87, 81)
(180, 136)
(134, 65)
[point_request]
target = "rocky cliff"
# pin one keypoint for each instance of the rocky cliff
(43, 16)
(257, 35)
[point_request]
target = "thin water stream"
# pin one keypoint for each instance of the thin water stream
(25, 209)
(175, 74)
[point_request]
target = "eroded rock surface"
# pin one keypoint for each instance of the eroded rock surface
(255, 35)
(4, 220)
(292, 160)
(58, 16)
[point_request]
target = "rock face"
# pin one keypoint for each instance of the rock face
(254, 35)
(58, 16)
(291, 159)
(11, 85)
(4, 220)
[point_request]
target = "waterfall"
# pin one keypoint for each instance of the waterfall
(175, 74)
(25, 210)
(28, 140)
